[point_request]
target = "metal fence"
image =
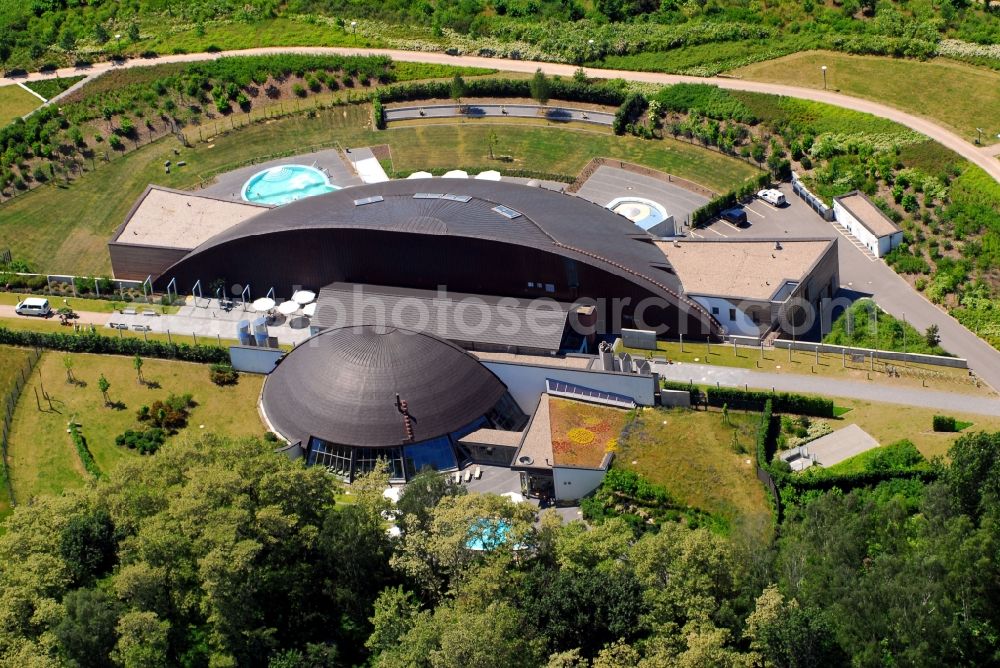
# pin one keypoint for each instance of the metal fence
(9, 405)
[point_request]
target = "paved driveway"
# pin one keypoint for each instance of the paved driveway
(608, 183)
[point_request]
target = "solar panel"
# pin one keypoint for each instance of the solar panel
(559, 388)
(457, 198)
(368, 200)
(428, 195)
(507, 212)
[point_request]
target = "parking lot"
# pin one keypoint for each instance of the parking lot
(795, 220)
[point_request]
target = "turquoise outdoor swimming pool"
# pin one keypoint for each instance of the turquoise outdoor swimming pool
(286, 183)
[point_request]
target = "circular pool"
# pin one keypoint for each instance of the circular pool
(286, 183)
(643, 212)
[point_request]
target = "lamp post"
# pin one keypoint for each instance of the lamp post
(979, 139)
(824, 76)
(354, 31)
(118, 39)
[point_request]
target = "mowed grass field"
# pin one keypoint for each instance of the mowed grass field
(12, 362)
(691, 453)
(16, 102)
(66, 228)
(889, 423)
(959, 96)
(42, 456)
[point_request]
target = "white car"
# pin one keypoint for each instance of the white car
(37, 306)
(772, 196)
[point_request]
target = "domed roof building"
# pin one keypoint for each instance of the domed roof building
(354, 395)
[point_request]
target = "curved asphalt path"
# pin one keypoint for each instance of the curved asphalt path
(983, 157)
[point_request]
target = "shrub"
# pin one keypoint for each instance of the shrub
(629, 111)
(898, 456)
(223, 374)
(298, 90)
(146, 441)
(945, 423)
(270, 437)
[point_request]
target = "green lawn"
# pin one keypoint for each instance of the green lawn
(21, 323)
(43, 459)
(49, 88)
(12, 362)
(692, 454)
(16, 102)
(71, 242)
(961, 97)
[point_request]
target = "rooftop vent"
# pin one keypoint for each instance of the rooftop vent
(368, 200)
(777, 245)
(428, 195)
(507, 212)
(457, 198)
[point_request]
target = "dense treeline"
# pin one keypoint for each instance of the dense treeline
(60, 31)
(220, 553)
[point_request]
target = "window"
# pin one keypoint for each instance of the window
(366, 459)
(550, 287)
(732, 315)
(756, 317)
(435, 454)
(334, 458)
(531, 284)
(507, 415)
(715, 310)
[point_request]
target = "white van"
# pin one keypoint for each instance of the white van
(772, 197)
(33, 306)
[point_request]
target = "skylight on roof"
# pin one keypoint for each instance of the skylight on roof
(457, 198)
(368, 200)
(428, 195)
(507, 212)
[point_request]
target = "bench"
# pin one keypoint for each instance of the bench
(141, 328)
(148, 312)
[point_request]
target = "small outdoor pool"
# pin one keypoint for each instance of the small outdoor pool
(487, 535)
(286, 183)
(643, 212)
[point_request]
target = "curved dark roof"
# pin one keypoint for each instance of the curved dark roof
(341, 386)
(548, 220)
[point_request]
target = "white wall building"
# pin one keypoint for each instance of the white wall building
(866, 223)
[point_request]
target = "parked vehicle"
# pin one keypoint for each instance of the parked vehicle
(736, 216)
(772, 196)
(37, 306)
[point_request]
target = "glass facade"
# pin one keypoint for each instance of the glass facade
(405, 461)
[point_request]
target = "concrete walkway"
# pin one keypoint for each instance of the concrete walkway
(966, 149)
(704, 374)
(553, 112)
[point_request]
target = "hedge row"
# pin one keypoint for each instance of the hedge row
(730, 199)
(683, 387)
(109, 345)
(629, 112)
(378, 112)
(781, 402)
(84, 452)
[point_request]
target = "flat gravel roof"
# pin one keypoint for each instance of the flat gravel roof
(741, 269)
(175, 219)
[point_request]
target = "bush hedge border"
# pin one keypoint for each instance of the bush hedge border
(83, 451)
(107, 345)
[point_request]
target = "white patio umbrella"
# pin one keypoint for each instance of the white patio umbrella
(303, 297)
(263, 304)
(489, 175)
(392, 493)
(456, 174)
(309, 310)
(288, 308)
(420, 175)
(516, 497)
